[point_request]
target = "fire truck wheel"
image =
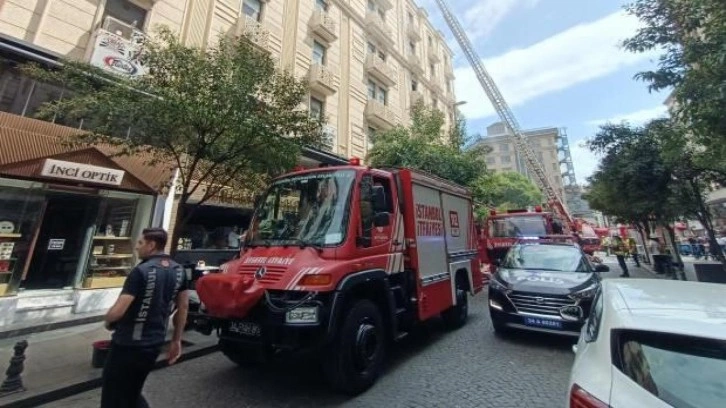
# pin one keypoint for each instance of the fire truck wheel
(456, 316)
(356, 357)
(238, 355)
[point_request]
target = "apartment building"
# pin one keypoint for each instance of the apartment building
(66, 239)
(503, 155)
(367, 61)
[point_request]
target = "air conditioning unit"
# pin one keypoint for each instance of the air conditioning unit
(119, 28)
(330, 135)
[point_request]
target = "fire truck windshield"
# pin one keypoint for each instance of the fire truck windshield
(310, 209)
(517, 226)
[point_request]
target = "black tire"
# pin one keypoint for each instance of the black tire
(358, 352)
(245, 358)
(456, 316)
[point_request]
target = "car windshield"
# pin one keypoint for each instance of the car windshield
(683, 371)
(562, 258)
(514, 227)
(311, 209)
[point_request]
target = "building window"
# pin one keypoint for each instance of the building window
(374, 8)
(504, 147)
(414, 85)
(125, 11)
(491, 160)
(373, 50)
(541, 157)
(506, 159)
(377, 92)
(252, 8)
(435, 103)
(432, 69)
(321, 5)
(317, 108)
(412, 47)
(319, 52)
(431, 42)
(410, 18)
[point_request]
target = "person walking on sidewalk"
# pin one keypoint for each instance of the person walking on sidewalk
(620, 248)
(139, 320)
(633, 247)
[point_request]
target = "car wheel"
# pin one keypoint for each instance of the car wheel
(358, 352)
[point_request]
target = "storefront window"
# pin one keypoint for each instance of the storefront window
(112, 245)
(20, 213)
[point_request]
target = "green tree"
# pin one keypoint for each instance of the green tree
(425, 146)
(507, 190)
(692, 35)
(642, 177)
(224, 116)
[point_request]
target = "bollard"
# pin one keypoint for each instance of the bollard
(14, 382)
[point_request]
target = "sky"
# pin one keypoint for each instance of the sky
(558, 63)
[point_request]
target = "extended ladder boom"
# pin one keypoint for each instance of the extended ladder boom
(501, 107)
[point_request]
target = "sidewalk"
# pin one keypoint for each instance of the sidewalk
(58, 362)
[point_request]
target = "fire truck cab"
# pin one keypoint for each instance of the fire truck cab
(341, 261)
(502, 230)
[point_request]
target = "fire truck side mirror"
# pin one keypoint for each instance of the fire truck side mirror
(382, 219)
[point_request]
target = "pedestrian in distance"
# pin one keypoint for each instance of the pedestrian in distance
(633, 247)
(139, 321)
(620, 248)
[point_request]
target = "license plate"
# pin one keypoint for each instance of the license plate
(245, 328)
(545, 323)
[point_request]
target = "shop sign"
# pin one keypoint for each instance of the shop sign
(82, 172)
(56, 244)
(119, 55)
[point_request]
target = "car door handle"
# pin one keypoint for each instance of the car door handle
(397, 242)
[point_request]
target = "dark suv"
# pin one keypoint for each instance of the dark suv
(545, 287)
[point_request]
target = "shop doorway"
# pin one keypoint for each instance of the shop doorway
(59, 245)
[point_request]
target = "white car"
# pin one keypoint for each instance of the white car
(652, 343)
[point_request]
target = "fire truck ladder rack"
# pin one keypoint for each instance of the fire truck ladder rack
(534, 167)
(568, 176)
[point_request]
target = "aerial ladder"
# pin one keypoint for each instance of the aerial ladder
(534, 166)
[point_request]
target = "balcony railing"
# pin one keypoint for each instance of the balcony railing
(413, 32)
(117, 48)
(416, 96)
(378, 28)
(415, 62)
(324, 25)
(380, 70)
(433, 53)
(255, 31)
(322, 79)
(379, 115)
(448, 72)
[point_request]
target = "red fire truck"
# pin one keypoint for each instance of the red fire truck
(341, 261)
(501, 230)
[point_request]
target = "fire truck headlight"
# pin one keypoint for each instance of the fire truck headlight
(302, 315)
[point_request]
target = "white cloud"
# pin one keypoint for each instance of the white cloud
(584, 160)
(634, 118)
(481, 18)
(577, 55)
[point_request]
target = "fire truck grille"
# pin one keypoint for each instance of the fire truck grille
(272, 273)
(543, 305)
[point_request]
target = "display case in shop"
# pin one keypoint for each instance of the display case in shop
(8, 263)
(112, 256)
